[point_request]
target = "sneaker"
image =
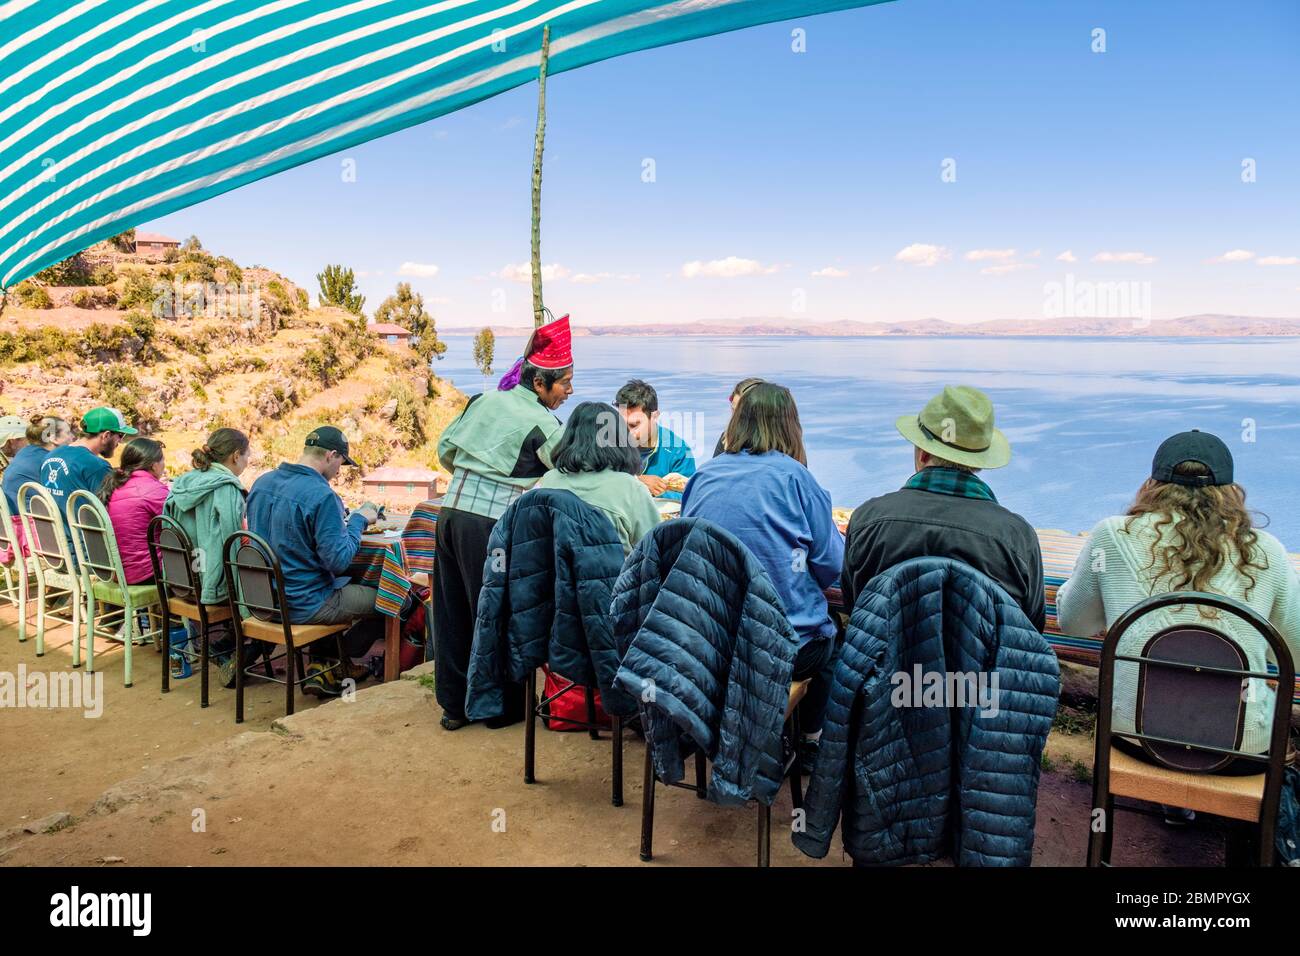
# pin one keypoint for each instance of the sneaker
(322, 680)
(226, 672)
(358, 672)
(1178, 816)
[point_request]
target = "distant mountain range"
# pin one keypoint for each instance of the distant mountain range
(1192, 326)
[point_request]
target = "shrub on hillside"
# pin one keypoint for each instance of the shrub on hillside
(71, 271)
(34, 296)
(137, 293)
(104, 275)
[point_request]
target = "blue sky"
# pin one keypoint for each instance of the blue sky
(808, 185)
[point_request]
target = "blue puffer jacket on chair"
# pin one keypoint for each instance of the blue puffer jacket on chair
(916, 783)
(547, 584)
(708, 652)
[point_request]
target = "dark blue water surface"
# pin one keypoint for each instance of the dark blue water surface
(1083, 415)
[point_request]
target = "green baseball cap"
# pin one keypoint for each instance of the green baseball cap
(105, 419)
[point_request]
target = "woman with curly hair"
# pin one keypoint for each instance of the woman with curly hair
(1187, 530)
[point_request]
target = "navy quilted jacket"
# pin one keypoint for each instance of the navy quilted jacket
(550, 570)
(708, 652)
(915, 783)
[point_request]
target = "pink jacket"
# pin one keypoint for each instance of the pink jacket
(131, 509)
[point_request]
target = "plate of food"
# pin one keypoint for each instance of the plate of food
(841, 517)
(668, 509)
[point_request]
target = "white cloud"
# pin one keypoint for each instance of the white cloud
(830, 272)
(1067, 256)
(1140, 258)
(418, 270)
(731, 267)
(523, 272)
(922, 254)
(1003, 268)
(1234, 255)
(1278, 261)
(591, 278)
(979, 255)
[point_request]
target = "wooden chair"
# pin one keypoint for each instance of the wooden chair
(790, 769)
(536, 708)
(52, 566)
(104, 581)
(1192, 684)
(174, 565)
(255, 591)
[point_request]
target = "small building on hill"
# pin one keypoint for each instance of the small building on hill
(400, 488)
(390, 333)
(154, 243)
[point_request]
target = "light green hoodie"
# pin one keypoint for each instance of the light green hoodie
(209, 505)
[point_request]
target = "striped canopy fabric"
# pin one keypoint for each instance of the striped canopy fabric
(114, 112)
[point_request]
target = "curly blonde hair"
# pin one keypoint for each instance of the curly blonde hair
(1210, 523)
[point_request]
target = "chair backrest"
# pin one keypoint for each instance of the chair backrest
(93, 538)
(8, 539)
(172, 556)
(1193, 684)
(48, 537)
(253, 577)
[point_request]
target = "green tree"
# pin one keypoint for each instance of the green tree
(192, 244)
(406, 308)
(123, 241)
(485, 344)
(338, 288)
(71, 271)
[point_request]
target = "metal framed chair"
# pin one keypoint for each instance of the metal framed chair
(104, 581)
(536, 708)
(1193, 681)
(790, 770)
(179, 589)
(18, 572)
(52, 565)
(255, 592)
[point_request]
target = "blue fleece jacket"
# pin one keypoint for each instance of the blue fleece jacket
(301, 517)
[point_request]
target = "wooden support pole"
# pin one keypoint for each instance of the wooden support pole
(537, 176)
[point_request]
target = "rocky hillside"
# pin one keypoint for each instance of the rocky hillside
(193, 355)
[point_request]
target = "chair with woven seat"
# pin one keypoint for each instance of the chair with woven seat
(790, 770)
(1193, 683)
(51, 564)
(174, 563)
(104, 581)
(255, 592)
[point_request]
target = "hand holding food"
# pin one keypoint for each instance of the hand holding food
(675, 482)
(656, 484)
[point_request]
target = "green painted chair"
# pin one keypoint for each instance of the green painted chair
(17, 572)
(104, 583)
(51, 566)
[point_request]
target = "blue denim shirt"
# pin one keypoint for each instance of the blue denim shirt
(777, 509)
(301, 517)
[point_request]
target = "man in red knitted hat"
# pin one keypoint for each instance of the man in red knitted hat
(496, 449)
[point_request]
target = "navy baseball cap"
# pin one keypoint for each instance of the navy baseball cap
(331, 439)
(1198, 446)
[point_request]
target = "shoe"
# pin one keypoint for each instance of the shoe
(1178, 816)
(808, 750)
(322, 680)
(358, 672)
(452, 723)
(226, 671)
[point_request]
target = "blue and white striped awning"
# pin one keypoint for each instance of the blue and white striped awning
(115, 112)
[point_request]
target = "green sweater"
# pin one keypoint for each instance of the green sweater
(621, 496)
(209, 505)
(504, 436)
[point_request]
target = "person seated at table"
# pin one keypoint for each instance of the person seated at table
(133, 494)
(743, 386)
(495, 450)
(44, 433)
(209, 504)
(84, 464)
(13, 438)
(596, 460)
(1187, 529)
(662, 451)
(302, 518)
(946, 510)
(761, 491)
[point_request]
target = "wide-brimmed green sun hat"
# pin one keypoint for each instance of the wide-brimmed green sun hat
(957, 425)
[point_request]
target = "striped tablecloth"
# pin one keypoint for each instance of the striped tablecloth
(1060, 550)
(389, 564)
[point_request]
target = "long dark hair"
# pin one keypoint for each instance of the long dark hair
(766, 419)
(221, 444)
(137, 454)
(596, 439)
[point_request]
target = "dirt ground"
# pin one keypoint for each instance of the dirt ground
(156, 780)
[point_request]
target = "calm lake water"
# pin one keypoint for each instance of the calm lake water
(1084, 416)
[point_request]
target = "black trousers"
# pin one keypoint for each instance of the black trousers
(462, 546)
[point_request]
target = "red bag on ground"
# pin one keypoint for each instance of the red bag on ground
(572, 704)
